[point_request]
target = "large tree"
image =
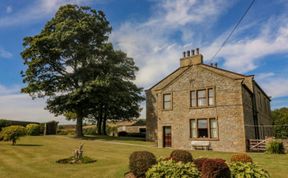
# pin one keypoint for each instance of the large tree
(280, 122)
(64, 58)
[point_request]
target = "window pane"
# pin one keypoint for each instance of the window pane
(210, 97)
(202, 123)
(193, 103)
(213, 128)
(167, 97)
(202, 133)
(201, 93)
(211, 92)
(167, 105)
(193, 128)
(201, 101)
(193, 94)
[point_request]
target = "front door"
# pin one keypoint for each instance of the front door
(167, 137)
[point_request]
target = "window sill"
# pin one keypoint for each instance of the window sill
(167, 109)
(202, 107)
(204, 139)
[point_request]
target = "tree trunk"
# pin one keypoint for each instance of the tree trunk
(99, 123)
(104, 123)
(79, 130)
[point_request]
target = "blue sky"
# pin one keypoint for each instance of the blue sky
(154, 33)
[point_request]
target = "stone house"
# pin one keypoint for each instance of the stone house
(203, 103)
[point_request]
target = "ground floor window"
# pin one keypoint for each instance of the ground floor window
(204, 128)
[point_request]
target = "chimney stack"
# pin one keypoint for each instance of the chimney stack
(193, 52)
(184, 54)
(191, 58)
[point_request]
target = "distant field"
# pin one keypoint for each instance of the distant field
(35, 157)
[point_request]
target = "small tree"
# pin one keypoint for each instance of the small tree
(33, 129)
(12, 133)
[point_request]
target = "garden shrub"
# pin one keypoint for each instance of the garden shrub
(181, 155)
(199, 162)
(173, 169)
(215, 168)
(12, 133)
(33, 129)
(65, 132)
(247, 170)
(275, 147)
(122, 134)
(241, 157)
(140, 162)
(90, 131)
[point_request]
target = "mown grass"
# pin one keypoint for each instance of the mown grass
(36, 157)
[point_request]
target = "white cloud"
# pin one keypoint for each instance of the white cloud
(244, 55)
(5, 54)
(36, 11)
(275, 86)
(149, 42)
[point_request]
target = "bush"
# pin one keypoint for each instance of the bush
(215, 168)
(181, 155)
(33, 129)
(65, 132)
(243, 170)
(140, 162)
(12, 133)
(90, 131)
(275, 147)
(241, 157)
(199, 162)
(172, 168)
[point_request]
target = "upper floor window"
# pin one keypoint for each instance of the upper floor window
(167, 101)
(201, 98)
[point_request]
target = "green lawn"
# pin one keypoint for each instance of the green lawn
(36, 156)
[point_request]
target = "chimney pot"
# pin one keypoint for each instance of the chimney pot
(192, 52)
(184, 54)
(197, 51)
(188, 53)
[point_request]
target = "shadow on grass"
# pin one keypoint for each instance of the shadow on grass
(27, 145)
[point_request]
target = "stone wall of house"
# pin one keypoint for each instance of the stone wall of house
(228, 110)
(248, 113)
(263, 113)
(151, 116)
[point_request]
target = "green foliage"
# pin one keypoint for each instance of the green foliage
(280, 122)
(247, 170)
(65, 132)
(33, 129)
(90, 131)
(170, 168)
(140, 162)
(4, 123)
(241, 157)
(275, 147)
(72, 64)
(12, 133)
(112, 130)
(215, 168)
(181, 155)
